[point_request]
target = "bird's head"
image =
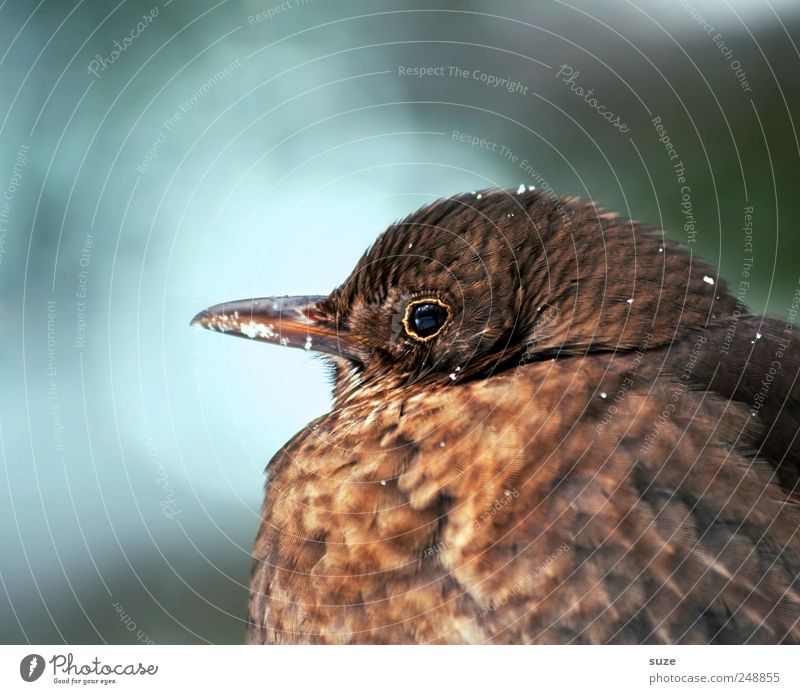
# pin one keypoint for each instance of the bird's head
(481, 282)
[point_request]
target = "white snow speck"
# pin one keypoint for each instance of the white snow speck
(253, 330)
(603, 395)
(452, 377)
(284, 342)
(521, 189)
(531, 187)
(708, 280)
(236, 315)
(383, 483)
(308, 343)
(458, 368)
(441, 444)
(629, 301)
(758, 336)
(478, 196)
(660, 250)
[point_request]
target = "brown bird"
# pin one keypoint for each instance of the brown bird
(550, 425)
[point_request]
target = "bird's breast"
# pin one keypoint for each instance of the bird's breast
(512, 509)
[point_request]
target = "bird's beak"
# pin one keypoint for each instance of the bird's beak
(291, 321)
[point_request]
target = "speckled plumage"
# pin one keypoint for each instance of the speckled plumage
(585, 454)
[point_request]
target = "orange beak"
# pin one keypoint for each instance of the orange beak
(290, 321)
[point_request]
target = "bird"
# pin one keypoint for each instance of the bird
(550, 424)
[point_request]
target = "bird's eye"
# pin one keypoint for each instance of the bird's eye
(425, 318)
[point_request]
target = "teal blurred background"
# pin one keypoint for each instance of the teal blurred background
(248, 148)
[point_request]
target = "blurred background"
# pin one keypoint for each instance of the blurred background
(159, 156)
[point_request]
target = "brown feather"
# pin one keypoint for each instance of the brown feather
(578, 458)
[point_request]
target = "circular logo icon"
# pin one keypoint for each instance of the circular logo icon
(31, 667)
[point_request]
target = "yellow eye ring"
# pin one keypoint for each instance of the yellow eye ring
(425, 318)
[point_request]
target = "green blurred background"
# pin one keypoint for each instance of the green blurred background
(249, 148)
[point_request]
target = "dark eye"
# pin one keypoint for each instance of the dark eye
(425, 318)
